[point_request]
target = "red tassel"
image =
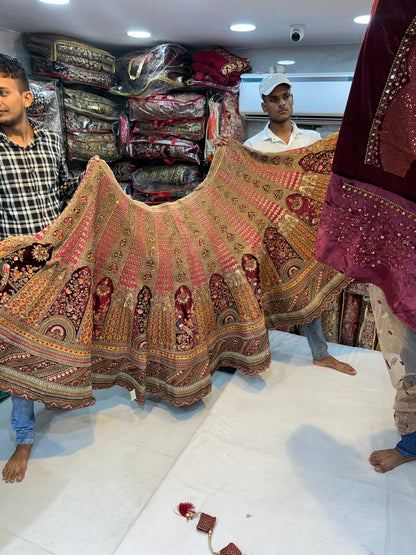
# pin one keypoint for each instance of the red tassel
(186, 509)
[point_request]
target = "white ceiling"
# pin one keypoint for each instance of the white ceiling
(193, 23)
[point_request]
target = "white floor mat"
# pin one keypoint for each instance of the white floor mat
(282, 463)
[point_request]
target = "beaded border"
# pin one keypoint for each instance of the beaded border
(397, 78)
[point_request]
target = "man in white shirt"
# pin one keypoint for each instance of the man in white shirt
(281, 134)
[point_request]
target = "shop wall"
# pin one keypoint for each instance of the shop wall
(7, 41)
(332, 58)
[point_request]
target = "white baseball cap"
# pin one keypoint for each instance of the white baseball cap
(272, 81)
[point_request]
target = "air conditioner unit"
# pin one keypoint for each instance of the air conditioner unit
(318, 98)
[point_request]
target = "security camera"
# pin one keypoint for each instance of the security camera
(297, 32)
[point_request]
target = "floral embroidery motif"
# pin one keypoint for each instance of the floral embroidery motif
(72, 301)
(20, 267)
(308, 210)
(281, 253)
(221, 295)
(319, 162)
(142, 311)
(252, 270)
(187, 335)
(102, 301)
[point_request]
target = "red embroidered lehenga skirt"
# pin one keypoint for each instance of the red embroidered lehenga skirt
(156, 298)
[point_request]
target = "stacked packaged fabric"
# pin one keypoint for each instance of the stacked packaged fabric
(168, 127)
(167, 148)
(218, 70)
(46, 107)
(157, 184)
(90, 119)
(160, 69)
(123, 171)
(164, 126)
(180, 115)
(69, 60)
(224, 119)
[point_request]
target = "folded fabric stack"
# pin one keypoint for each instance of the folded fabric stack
(46, 107)
(69, 60)
(218, 70)
(160, 69)
(90, 119)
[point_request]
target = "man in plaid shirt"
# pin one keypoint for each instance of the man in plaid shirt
(33, 178)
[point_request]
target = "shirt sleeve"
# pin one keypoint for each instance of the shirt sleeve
(68, 182)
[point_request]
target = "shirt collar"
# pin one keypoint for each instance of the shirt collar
(38, 132)
(270, 135)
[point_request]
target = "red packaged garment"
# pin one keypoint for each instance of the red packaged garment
(219, 64)
(167, 107)
(193, 130)
(169, 149)
(160, 69)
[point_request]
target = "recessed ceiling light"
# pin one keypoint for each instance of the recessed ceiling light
(363, 19)
(57, 2)
(139, 34)
(286, 62)
(242, 27)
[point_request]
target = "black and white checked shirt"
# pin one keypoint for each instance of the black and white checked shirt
(32, 182)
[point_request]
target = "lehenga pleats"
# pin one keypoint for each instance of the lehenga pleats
(156, 298)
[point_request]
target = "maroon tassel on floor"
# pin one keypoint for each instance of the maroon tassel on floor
(206, 524)
(187, 510)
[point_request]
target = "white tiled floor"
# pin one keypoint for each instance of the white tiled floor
(288, 448)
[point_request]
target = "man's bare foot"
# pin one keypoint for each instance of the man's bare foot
(332, 362)
(16, 466)
(387, 459)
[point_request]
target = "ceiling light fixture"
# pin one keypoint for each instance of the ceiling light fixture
(362, 19)
(55, 2)
(286, 62)
(242, 27)
(139, 34)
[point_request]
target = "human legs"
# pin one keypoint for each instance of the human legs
(387, 459)
(23, 423)
(316, 339)
(23, 419)
(319, 348)
(398, 344)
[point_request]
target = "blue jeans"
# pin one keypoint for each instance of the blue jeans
(23, 419)
(407, 445)
(316, 339)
